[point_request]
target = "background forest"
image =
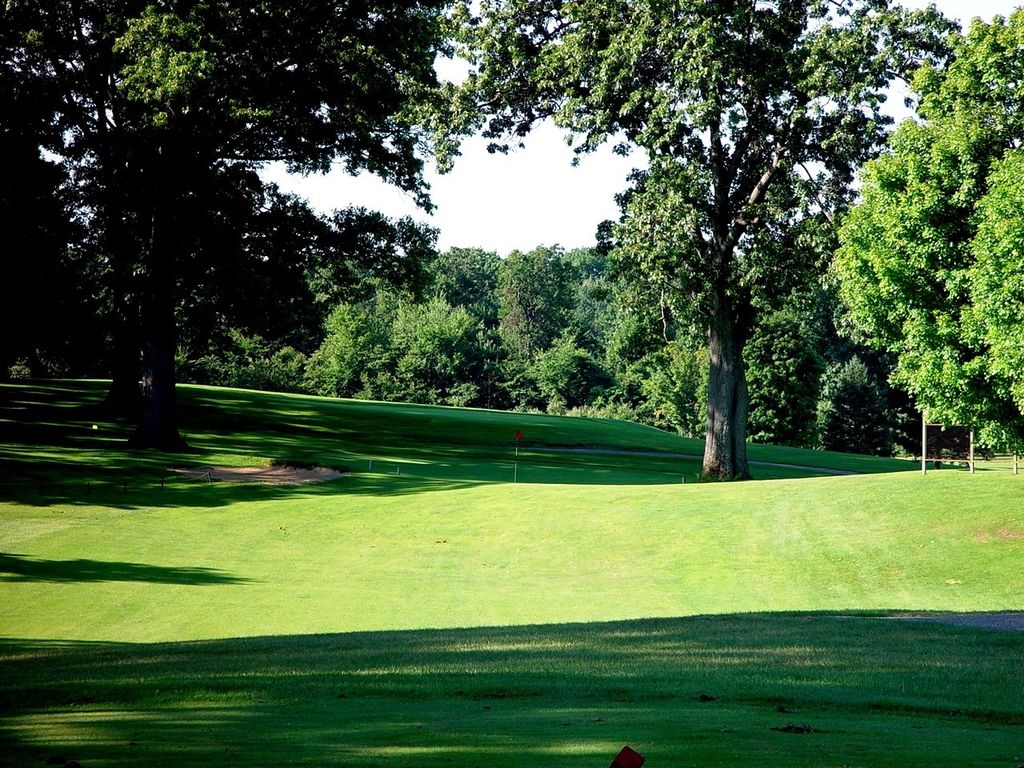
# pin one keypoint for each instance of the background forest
(372, 311)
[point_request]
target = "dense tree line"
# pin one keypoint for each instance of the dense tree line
(550, 330)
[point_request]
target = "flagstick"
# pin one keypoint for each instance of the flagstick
(515, 472)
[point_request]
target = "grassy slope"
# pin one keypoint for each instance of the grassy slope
(451, 543)
(446, 544)
(470, 445)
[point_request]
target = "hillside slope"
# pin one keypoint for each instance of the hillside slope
(437, 535)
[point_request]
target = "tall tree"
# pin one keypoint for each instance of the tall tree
(752, 114)
(154, 99)
(930, 261)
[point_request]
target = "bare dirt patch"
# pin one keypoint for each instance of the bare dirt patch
(273, 475)
(1006, 532)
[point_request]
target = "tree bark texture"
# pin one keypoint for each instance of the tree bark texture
(725, 445)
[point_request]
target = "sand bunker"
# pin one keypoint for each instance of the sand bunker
(275, 475)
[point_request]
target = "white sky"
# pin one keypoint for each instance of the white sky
(526, 198)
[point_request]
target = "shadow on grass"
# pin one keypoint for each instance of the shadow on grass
(18, 568)
(53, 483)
(747, 690)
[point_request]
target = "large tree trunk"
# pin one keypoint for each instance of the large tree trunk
(124, 398)
(159, 427)
(725, 446)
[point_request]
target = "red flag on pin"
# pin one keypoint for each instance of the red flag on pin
(627, 758)
(519, 435)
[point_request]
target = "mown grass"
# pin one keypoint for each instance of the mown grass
(365, 552)
(200, 623)
(762, 690)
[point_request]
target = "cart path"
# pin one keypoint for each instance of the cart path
(688, 456)
(1004, 621)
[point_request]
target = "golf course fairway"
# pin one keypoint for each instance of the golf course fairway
(456, 596)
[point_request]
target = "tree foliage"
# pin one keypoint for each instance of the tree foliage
(784, 373)
(852, 414)
(390, 348)
(249, 362)
(438, 356)
(533, 300)
(150, 105)
(996, 315)
(267, 265)
(930, 258)
(567, 375)
(356, 350)
(468, 277)
(674, 384)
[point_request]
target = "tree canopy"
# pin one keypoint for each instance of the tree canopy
(150, 103)
(932, 256)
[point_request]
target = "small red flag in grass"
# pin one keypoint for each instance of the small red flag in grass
(519, 435)
(627, 758)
